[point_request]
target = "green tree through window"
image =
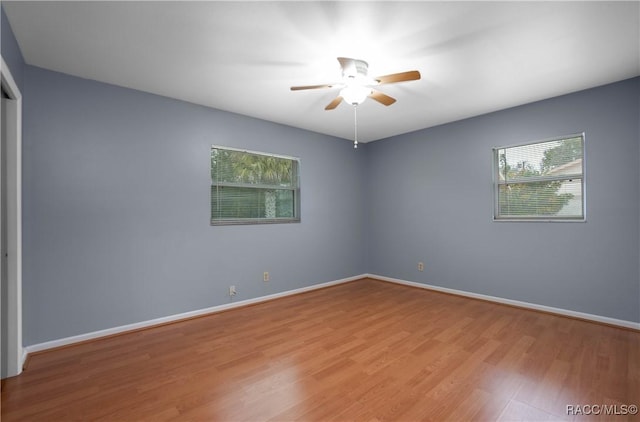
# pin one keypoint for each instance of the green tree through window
(541, 180)
(251, 187)
(569, 150)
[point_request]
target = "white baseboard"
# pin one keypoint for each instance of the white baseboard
(517, 303)
(219, 308)
(175, 318)
(23, 357)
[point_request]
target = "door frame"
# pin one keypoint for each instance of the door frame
(15, 352)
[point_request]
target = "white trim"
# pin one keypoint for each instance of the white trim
(23, 357)
(511, 302)
(14, 227)
(219, 308)
(178, 317)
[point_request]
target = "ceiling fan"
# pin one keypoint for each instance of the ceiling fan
(356, 85)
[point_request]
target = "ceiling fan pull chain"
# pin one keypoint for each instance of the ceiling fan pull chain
(355, 126)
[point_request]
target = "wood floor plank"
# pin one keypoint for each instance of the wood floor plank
(361, 351)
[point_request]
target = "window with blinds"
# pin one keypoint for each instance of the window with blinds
(540, 181)
(253, 188)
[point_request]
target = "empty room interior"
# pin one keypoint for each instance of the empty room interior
(368, 210)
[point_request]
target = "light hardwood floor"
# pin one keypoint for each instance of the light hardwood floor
(366, 350)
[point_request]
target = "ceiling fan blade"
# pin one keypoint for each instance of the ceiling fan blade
(382, 98)
(299, 88)
(411, 75)
(333, 104)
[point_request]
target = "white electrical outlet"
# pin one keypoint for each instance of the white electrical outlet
(420, 266)
(265, 276)
(232, 290)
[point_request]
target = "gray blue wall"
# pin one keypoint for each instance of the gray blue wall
(430, 199)
(116, 196)
(116, 209)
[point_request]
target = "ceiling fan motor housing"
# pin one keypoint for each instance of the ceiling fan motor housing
(355, 68)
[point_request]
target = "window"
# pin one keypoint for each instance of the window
(540, 181)
(253, 188)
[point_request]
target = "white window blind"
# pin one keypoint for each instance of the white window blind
(540, 181)
(251, 187)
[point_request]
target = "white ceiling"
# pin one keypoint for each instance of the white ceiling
(475, 57)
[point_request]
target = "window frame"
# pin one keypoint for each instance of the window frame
(250, 221)
(542, 218)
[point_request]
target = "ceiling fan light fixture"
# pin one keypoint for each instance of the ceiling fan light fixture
(355, 94)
